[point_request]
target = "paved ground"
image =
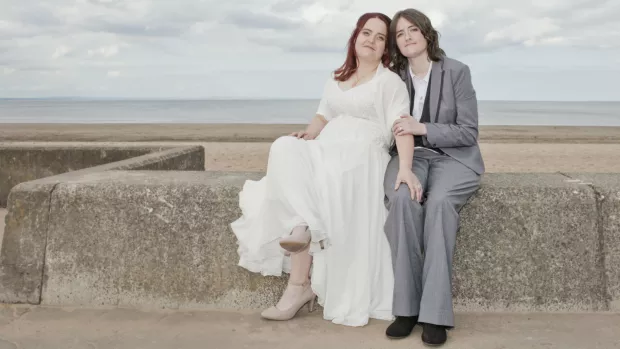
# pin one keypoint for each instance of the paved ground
(41, 327)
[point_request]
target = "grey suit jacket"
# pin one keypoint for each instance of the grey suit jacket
(453, 112)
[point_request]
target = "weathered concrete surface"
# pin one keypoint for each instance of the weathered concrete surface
(52, 328)
(2, 217)
(23, 244)
(23, 163)
(152, 239)
(607, 187)
(187, 158)
(528, 242)
(25, 237)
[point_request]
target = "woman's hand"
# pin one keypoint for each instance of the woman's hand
(406, 176)
(313, 130)
(408, 125)
(299, 134)
(303, 135)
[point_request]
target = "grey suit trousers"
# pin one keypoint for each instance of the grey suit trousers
(422, 236)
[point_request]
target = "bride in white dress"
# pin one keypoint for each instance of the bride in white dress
(322, 199)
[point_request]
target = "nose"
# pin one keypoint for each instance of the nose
(407, 35)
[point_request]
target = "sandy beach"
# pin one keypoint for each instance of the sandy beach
(245, 147)
(524, 157)
(268, 133)
(498, 157)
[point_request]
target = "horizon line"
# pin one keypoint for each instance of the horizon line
(262, 99)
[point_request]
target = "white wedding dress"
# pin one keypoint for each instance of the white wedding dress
(334, 185)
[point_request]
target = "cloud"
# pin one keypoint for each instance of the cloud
(71, 44)
(104, 51)
(524, 30)
(250, 20)
(61, 51)
(311, 45)
(287, 6)
(144, 28)
(483, 26)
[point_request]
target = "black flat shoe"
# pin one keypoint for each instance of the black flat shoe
(434, 335)
(401, 327)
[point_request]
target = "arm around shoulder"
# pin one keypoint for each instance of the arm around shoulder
(464, 133)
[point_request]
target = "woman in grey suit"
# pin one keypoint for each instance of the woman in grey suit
(448, 164)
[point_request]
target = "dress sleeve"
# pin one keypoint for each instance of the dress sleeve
(394, 100)
(324, 108)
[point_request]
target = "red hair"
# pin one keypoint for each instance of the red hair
(349, 67)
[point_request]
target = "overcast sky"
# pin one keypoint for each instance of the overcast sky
(516, 49)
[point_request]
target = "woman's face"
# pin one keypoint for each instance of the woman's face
(409, 39)
(370, 43)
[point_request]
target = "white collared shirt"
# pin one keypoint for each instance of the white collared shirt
(419, 86)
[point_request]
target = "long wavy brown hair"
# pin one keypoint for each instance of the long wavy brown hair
(420, 20)
(349, 67)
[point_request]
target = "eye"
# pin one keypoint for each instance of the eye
(399, 34)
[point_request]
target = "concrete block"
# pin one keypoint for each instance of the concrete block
(529, 242)
(161, 239)
(607, 187)
(26, 233)
(22, 163)
(154, 239)
(23, 247)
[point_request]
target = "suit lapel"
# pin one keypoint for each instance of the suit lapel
(406, 77)
(436, 88)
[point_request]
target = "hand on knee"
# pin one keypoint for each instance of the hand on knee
(402, 199)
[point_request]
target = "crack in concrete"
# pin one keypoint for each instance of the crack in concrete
(601, 260)
(28, 310)
(102, 314)
(17, 317)
(47, 230)
(164, 317)
(9, 342)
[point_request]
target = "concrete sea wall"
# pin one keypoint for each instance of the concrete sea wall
(22, 257)
(528, 242)
(23, 163)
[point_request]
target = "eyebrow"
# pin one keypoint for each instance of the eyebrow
(372, 31)
(409, 27)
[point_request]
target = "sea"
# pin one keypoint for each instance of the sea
(85, 111)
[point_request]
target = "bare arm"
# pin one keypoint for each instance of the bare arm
(313, 129)
(396, 103)
(404, 144)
